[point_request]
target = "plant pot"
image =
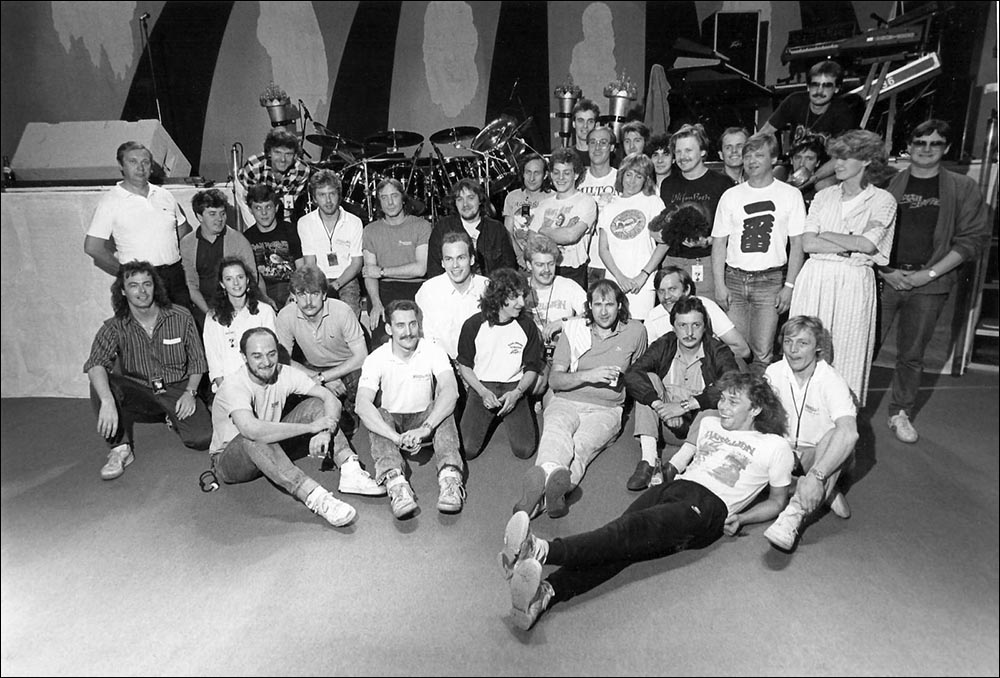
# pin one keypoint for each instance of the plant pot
(281, 112)
(567, 100)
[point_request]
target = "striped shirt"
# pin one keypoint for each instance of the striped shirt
(172, 354)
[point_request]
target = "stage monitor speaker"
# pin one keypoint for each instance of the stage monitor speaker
(740, 36)
(85, 150)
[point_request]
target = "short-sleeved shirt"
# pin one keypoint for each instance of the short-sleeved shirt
(143, 228)
(737, 465)
(563, 299)
(239, 392)
(758, 223)
(445, 308)
(706, 190)
(554, 212)
(794, 113)
(813, 407)
(407, 384)
(519, 197)
(396, 245)
(625, 223)
(327, 344)
(275, 251)
(334, 252)
(172, 354)
(657, 321)
(500, 353)
(620, 349)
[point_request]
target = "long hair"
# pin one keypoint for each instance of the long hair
(687, 220)
(398, 185)
(861, 145)
(637, 162)
(504, 284)
(772, 417)
(812, 324)
(118, 301)
(690, 305)
(473, 186)
(607, 288)
(220, 306)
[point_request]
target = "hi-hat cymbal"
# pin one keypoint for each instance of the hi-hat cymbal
(453, 135)
(494, 134)
(395, 138)
(335, 141)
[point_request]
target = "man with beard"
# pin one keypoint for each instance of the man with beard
(395, 252)
(674, 379)
(490, 240)
(446, 301)
(249, 423)
(419, 392)
(585, 412)
(158, 349)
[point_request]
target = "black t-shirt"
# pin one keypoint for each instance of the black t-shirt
(275, 251)
(793, 113)
(706, 190)
(916, 221)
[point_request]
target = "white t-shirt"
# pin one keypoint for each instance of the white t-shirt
(823, 399)
(737, 465)
(239, 392)
(601, 189)
(624, 221)
(222, 344)
(563, 299)
(333, 252)
(554, 212)
(143, 228)
(657, 321)
(407, 385)
(519, 196)
(758, 223)
(500, 353)
(445, 308)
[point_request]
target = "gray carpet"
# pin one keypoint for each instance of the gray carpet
(147, 575)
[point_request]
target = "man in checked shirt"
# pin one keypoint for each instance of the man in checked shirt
(157, 347)
(280, 168)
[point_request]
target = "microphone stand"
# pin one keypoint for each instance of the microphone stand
(144, 31)
(236, 159)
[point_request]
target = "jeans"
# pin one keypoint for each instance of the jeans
(575, 433)
(244, 460)
(348, 417)
(386, 454)
(479, 423)
(704, 281)
(664, 519)
(917, 317)
(176, 284)
(350, 294)
(751, 308)
(648, 422)
(137, 402)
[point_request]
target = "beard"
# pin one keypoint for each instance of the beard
(266, 378)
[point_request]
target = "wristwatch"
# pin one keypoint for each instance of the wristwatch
(819, 475)
(193, 392)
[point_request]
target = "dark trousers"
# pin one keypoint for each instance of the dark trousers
(479, 423)
(577, 274)
(664, 519)
(916, 316)
(173, 279)
(389, 291)
(137, 402)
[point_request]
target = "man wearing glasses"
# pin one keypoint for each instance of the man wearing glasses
(941, 223)
(817, 112)
(599, 183)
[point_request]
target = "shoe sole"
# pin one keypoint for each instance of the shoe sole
(524, 583)
(778, 542)
(532, 492)
(556, 488)
(514, 537)
(125, 462)
(377, 491)
(348, 520)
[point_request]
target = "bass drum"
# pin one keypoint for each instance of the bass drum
(356, 191)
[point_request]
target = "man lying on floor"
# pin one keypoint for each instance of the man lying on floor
(730, 456)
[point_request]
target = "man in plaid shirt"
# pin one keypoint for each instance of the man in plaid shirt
(280, 168)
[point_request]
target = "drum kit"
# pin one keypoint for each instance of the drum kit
(489, 155)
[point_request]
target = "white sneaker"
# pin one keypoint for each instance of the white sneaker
(529, 595)
(355, 480)
(118, 459)
(784, 531)
(520, 544)
(451, 495)
(336, 512)
(402, 500)
(900, 424)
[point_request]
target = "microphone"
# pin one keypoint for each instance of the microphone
(513, 88)
(305, 110)
(144, 16)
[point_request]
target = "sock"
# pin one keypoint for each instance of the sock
(549, 467)
(647, 445)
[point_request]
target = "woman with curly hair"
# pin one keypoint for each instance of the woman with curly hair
(848, 230)
(235, 308)
(499, 357)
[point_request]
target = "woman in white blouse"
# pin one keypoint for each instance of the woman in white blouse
(235, 309)
(849, 229)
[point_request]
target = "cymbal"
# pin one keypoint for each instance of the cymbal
(519, 130)
(494, 134)
(335, 141)
(395, 138)
(453, 135)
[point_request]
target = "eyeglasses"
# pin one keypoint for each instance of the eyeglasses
(603, 143)
(822, 85)
(923, 143)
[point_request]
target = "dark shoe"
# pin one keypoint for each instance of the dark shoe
(640, 477)
(557, 486)
(532, 492)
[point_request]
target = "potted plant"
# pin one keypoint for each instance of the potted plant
(279, 106)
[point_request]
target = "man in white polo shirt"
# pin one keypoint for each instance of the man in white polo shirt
(419, 392)
(446, 301)
(331, 239)
(143, 221)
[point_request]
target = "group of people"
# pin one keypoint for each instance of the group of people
(614, 283)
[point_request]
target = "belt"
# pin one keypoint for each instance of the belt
(765, 270)
(909, 267)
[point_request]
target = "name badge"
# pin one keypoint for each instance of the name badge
(698, 273)
(288, 201)
(175, 340)
(331, 259)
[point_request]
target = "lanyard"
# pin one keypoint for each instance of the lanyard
(799, 409)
